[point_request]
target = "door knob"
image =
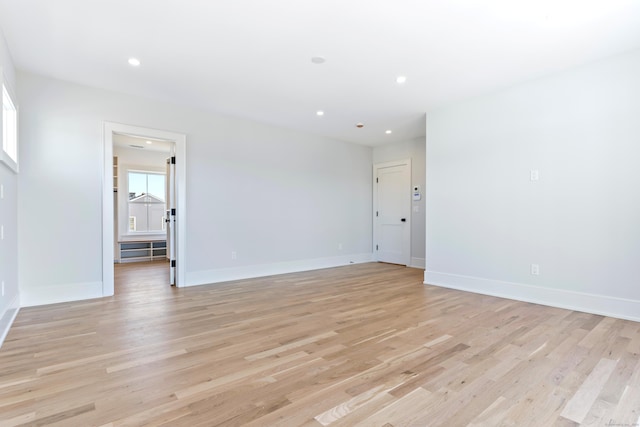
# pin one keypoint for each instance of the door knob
(403, 219)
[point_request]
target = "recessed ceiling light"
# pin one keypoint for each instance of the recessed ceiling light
(401, 80)
(387, 132)
(318, 60)
(134, 62)
(320, 113)
(149, 142)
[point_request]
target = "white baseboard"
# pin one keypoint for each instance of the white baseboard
(60, 293)
(206, 277)
(417, 263)
(590, 303)
(7, 318)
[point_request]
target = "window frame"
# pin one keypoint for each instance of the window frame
(140, 170)
(5, 158)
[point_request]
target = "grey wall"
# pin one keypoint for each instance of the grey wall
(487, 222)
(9, 301)
(414, 150)
(281, 200)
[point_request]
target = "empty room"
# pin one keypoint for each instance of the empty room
(407, 213)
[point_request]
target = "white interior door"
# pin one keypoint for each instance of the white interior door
(393, 212)
(170, 218)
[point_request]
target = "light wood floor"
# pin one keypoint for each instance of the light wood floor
(361, 345)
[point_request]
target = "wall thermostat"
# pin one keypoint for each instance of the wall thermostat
(416, 193)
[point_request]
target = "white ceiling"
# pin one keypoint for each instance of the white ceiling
(252, 58)
(136, 143)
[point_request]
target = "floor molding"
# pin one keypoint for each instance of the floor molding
(60, 293)
(251, 271)
(7, 318)
(589, 303)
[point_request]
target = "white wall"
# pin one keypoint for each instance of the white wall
(487, 222)
(281, 200)
(9, 302)
(414, 150)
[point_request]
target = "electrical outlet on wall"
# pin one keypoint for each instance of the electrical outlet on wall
(234, 255)
(535, 269)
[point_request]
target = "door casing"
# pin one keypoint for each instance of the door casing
(180, 141)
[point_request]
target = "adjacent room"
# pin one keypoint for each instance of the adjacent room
(320, 213)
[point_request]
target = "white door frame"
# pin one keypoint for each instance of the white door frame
(375, 206)
(180, 141)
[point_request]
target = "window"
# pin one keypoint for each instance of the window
(146, 202)
(9, 130)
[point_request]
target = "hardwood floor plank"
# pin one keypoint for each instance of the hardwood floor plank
(23, 419)
(211, 383)
(627, 411)
(374, 396)
(404, 411)
(289, 346)
(492, 414)
(578, 407)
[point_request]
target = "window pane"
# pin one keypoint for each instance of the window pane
(146, 201)
(156, 213)
(156, 186)
(9, 126)
(137, 184)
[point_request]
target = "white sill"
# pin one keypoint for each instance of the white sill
(143, 237)
(8, 161)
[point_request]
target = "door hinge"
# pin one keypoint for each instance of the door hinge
(376, 213)
(376, 247)
(173, 263)
(173, 211)
(376, 180)
(173, 160)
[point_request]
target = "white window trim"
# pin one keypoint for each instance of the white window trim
(4, 156)
(139, 169)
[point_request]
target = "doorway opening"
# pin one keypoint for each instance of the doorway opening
(143, 200)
